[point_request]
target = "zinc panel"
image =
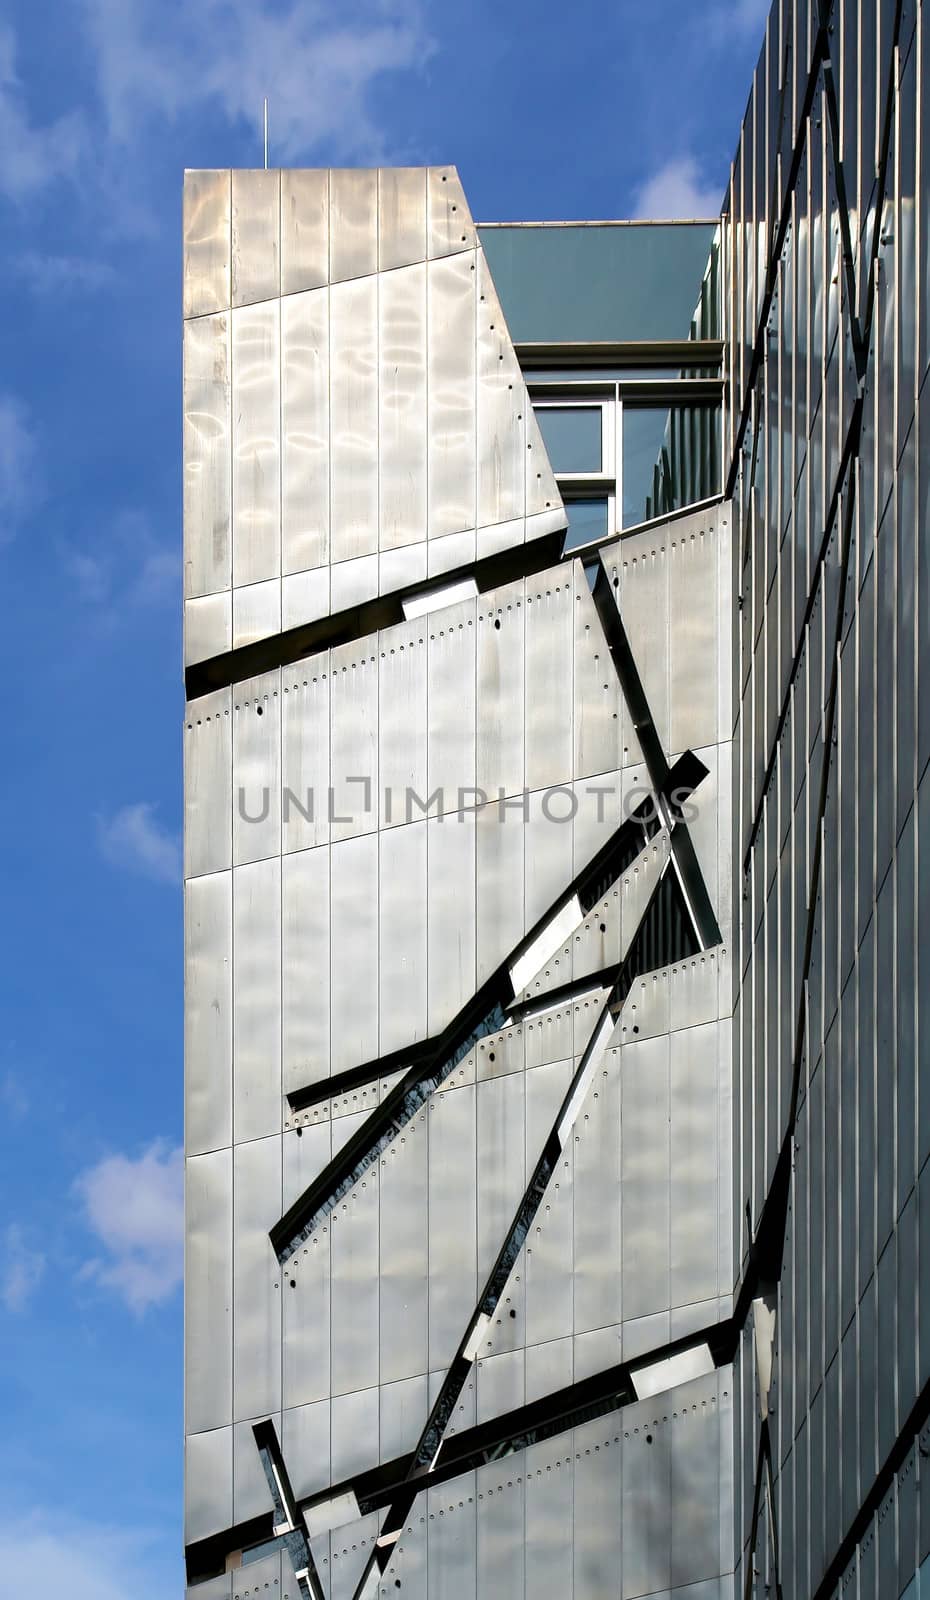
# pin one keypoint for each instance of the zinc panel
(353, 331)
(451, 364)
(305, 370)
(304, 229)
(207, 456)
(256, 442)
(402, 415)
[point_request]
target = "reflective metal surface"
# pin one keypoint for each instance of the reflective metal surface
(435, 868)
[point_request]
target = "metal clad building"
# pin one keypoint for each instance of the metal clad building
(555, 633)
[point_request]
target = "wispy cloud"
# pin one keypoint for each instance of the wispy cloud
(317, 60)
(13, 1095)
(678, 190)
(21, 1271)
(62, 275)
(84, 1560)
(124, 567)
(133, 838)
(20, 480)
(135, 1206)
(31, 155)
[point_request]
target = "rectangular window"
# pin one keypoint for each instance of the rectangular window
(572, 436)
(671, 458)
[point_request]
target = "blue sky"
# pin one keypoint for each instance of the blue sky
(634, 111)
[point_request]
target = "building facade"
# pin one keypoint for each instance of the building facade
(555, 629)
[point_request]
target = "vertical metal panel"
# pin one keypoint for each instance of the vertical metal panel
(256, 1278)
(542, 492)
(353, 235)
(500, 1500)
(208, 1487)
(354, 739)
(354, 952)
(305, 1447)
(598, 703)
(451, 301)
(644, 606)
(402, 699)
(499, 917)
(305, 1310)
(500, 690)
(408, 1565)
(644, 1169)
(305, 430)
(304, 229)
(548, 1368)
(402, 437)
(256, 612)
(547, 1254)
(596, 1202)
(404, 1408)
(501, 1178)
(547, 849)
(697, 1443)
(451, 912)
(350, 1548)
(354, 1303)
(451, 671)
(256, 768)
(499, 1384)
(206, 241)
(549, 1495)
(208, 1013)
(305, 924)
(257, 999)
(402, 937)
(256, 228)
(353, 330)
(502, 403)
(208, 1328)
(208, 784)
(452, 1221)
(692, 634)
(354, 1432)
(452, 1540)
(305, 757)
(449, 224)
(404, 1252)
(207, 626)
(694, 1127)
(256, 442)
(207, 457)
(548, 680)
(596, 1525)
(401, 216)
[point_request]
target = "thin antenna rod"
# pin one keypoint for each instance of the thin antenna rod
(265, 122)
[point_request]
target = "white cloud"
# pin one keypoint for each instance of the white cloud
(31, 157)
(20, 488)
(316, 60)
(678, 191)
(21, 1273)
(134, 838)
(61, 275)
(47, 1551)
(136, 1209)
(125, 567)
(14, 1095)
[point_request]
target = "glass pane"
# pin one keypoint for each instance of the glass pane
(572, 436)
(587, 519)
(671, 459)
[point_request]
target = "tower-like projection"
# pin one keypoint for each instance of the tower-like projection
(458, 909)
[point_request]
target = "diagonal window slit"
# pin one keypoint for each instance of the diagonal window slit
(665, 934)
(686, 862)
(486, 1012)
